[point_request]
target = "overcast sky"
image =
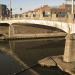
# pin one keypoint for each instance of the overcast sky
(30, 4)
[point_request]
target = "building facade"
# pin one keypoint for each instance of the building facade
(44, 11)
(4, 11)
(62, 11)
(68, 8)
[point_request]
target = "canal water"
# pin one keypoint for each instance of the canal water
(16, 54)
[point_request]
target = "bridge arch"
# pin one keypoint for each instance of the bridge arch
(60, 25)
(31, 28)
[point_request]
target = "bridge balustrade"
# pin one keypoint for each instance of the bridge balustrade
(61, 19)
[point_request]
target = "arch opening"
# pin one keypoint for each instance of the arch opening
(29, 28)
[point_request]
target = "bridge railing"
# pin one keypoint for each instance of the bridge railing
(61, 19)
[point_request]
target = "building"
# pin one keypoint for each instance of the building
(4, 11)
(39, 12)
(44, 11)
(68, 8)
(27, 14)
(62, 11)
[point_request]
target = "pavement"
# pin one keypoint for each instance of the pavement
(58, 61)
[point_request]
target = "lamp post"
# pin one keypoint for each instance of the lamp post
(10, 9)
(72, 11)
(10, 4)
(9, 16)
(20, 12)
(72, 5)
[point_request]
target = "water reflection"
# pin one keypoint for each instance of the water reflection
(7, 64)
(30, 51)
(27, 53)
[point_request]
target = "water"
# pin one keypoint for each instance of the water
(30, 51)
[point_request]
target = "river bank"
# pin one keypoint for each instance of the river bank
(57, 61)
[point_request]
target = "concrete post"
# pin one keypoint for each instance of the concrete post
(69, 53)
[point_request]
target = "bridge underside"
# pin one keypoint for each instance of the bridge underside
(26, 28)
(60, 25)
(33, 29)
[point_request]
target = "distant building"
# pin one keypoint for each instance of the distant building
(39, 12)
(27, 14)
(44, 11)
(4, 11)
(62, 11)
(68, 8)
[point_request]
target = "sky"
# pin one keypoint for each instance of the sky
(30, 4)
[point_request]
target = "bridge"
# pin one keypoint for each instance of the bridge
(69, 28)
(66, 27)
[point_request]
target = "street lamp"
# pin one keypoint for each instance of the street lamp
(10, 9)
(10, 4)
(72, 11)
(72, 5)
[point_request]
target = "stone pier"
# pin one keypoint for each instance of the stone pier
(69, 53)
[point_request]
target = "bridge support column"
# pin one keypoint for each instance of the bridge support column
(69, 53)
(11, 31)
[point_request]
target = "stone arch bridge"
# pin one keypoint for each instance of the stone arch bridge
(69, 28)
(66, 27)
